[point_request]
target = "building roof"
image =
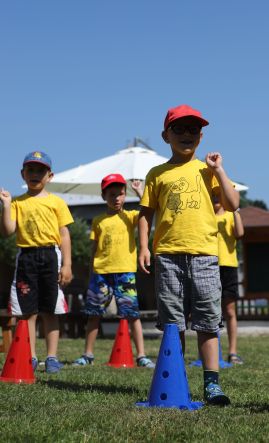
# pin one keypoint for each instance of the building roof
(254, 217)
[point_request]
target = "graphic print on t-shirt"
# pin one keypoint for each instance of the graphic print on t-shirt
(181, 197)
(114, 237)
(34, 224)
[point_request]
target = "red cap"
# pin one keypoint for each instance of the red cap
(183, 111)
(112, 178)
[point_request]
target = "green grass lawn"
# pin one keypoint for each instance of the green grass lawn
(97, 403)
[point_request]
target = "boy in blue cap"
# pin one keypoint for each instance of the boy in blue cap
(185, 238)
(43, 263)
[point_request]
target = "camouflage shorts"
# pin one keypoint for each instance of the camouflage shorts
(101, 289)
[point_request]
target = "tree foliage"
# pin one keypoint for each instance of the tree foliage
(8, 249)
(245, 201)
(79, 232)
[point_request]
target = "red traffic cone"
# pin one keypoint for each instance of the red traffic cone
(122, 354)
(18, 366)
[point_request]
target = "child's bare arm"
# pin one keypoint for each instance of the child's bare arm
(238, 226)
(229, 196)
(144, 227)
(8, 226)
(93, 246)
(65, 275)
(137, 187)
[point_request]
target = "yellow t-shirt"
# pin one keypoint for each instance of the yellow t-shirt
(38, 219)
(227, 240)
(116, 247)
(182, 198)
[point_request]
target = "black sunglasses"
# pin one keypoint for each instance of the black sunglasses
(181, 129)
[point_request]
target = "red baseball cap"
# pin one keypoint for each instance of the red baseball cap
(112, 178)
(183, 111)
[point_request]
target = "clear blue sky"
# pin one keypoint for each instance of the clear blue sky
(81, 78)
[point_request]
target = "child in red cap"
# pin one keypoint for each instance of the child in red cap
(185, 243)
(113, 267)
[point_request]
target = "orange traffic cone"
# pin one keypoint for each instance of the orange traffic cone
(18, 366)
(122, 354)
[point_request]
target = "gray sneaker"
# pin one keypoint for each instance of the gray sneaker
(145, 362)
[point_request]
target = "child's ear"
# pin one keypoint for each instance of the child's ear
(103, 196)
(165, 137)
(22, 174)
(50, 176)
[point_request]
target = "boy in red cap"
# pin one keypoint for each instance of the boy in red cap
(43, 263)
(112, 268)
(185, 239)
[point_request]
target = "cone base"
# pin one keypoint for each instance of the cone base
(222, 364)
(197, 363)
(192, 406)
(17, 380)
(115, 365)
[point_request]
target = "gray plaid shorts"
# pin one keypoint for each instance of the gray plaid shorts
(188, 286)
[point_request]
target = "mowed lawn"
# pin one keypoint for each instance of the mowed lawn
(97, 403)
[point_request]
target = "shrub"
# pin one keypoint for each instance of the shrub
(8, 249)
(79, 232)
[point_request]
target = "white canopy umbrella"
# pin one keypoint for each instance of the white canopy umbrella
(239, 187)
(132, 163)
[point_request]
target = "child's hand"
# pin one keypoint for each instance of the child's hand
(137, 187)
(144, 260)
(65, 275)
(214, 160)
(5, 197)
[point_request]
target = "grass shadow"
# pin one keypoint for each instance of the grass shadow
(254, 408)
(76, 387)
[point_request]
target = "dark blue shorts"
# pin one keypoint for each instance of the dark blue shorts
(101, 289)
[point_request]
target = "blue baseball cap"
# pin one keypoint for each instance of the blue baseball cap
(38, 157)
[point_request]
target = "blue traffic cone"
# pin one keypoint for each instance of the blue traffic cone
(222, 363)
(197, 362)
(169, 386)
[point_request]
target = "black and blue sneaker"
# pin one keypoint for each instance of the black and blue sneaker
(52, 365)
(214, 395)
(84, 360)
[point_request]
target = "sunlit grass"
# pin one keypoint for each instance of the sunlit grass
(97, 403)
